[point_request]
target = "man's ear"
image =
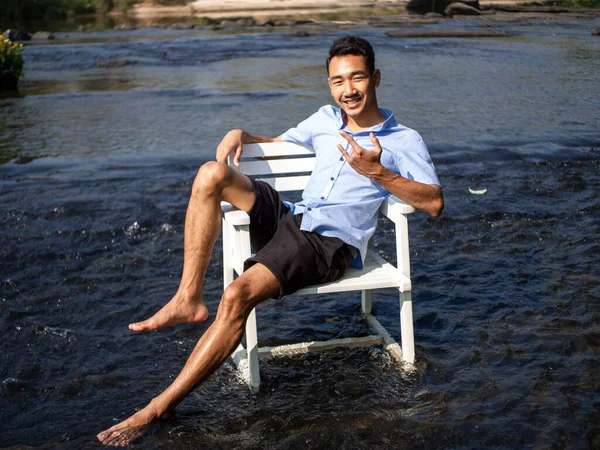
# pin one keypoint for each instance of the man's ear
(377, 77)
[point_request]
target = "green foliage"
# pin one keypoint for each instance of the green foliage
(11, 58)
(13, 11)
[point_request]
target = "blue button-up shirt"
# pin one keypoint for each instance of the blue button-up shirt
(340, 202)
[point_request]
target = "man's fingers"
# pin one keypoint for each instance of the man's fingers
(351, 141)
(343, 151)
(375, 142)
(238, 155)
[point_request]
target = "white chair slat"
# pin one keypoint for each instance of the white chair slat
(287, 184)
(277, 166)
(275, 149)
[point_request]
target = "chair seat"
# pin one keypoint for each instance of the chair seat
(377, 273)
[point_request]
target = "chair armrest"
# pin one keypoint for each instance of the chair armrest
(394, 208)
(234, 216)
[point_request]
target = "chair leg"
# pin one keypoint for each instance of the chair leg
(228, 238)
(406, 327)
(366, 301)
(252, 352)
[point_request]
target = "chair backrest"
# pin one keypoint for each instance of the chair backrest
(284, 165)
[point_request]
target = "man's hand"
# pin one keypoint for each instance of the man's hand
(426, 197)
(232, 142)
(365, 162)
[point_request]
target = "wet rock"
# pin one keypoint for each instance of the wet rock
(461, 9)
(182, 26)
(42, 36)
(434, 15)
(596, 33)
(265, 23)
(111, 63)
(300, 34)
(438, 6)
(16, 35)
(244, 22)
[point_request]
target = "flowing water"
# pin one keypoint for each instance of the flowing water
(96, 165)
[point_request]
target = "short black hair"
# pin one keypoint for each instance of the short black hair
(352, 45)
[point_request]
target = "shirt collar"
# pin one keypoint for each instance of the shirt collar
(389, 121)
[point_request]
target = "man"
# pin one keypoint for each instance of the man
(363, 155)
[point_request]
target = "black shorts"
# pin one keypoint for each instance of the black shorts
(296, 258)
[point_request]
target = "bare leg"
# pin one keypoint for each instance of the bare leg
(215, 182)
(216, 344)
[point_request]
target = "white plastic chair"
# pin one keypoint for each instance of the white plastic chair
(287, 167)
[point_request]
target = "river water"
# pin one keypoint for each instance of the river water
(96, 165)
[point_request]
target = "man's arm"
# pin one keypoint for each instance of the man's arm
(234, 141)
(425, 197)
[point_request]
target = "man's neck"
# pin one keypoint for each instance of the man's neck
(365, 121)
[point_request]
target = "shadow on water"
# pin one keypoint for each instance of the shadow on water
(95, 171)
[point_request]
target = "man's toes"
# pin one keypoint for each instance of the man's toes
(146, 325)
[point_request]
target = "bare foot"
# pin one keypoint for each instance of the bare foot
(131, 429)
(178, 310)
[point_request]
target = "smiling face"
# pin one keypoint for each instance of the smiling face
(353, 89)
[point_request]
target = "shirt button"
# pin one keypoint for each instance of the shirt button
(332, 178)
(322, 198)
(341, 158)
(310, 209)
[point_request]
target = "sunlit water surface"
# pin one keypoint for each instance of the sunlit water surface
(96, 168)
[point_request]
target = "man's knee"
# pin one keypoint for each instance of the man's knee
(212, 176)
(236, 301)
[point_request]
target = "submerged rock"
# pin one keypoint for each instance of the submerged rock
(108, 63)
(596, 33)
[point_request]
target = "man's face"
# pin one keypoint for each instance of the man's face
(352, 85)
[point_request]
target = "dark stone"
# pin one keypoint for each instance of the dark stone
(461, 9)
(438, 6)
(245, 22)
(182, 26)
(301, 34)
(596, 33)
(16, 35)
(8, 82)
(110, 63)
(42, 36)
(265, 23)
